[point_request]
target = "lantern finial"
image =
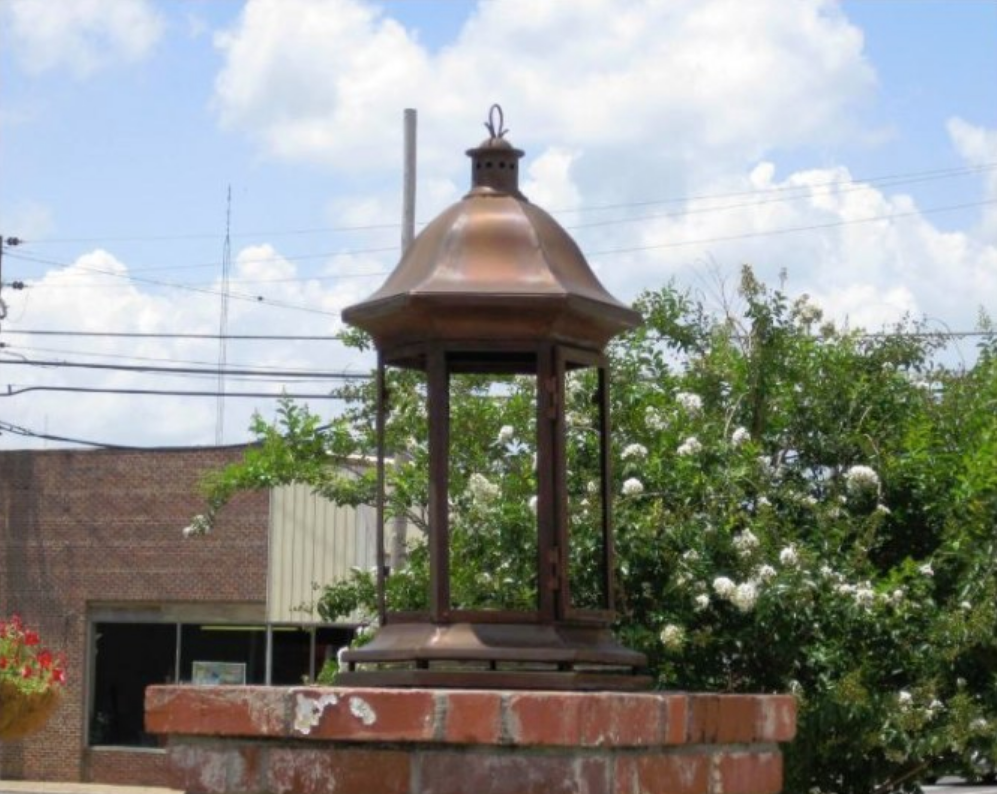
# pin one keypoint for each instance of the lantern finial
(496, 131)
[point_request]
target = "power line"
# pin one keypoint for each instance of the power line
(740, 205)
(188, 370)
(261, 369)
(893, 179)
(791, 229)
(14, 391)
(6, 427)
(305, 338)
(150, 335)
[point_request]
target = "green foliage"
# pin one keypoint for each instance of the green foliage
(797, 508)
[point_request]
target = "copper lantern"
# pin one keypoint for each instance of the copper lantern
(494, 286)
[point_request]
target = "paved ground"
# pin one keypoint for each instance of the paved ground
(945, 786)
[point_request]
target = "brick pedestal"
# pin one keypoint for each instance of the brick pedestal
(251, 740)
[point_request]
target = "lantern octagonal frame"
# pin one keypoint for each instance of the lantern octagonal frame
(495, 286)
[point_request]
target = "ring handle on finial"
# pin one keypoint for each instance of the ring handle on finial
(493, 131)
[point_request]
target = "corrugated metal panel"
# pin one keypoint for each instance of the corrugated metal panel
(312, 542)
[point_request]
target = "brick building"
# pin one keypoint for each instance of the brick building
(91, 554)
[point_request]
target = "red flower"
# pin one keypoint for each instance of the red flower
(31, 637)
(3, 662)
(58, 676)
(26, 671)
(45, 659)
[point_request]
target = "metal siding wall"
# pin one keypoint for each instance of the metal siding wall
(312, 540)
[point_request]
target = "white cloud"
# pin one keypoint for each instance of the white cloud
(549, 183)
(867, 256)
(978, 147)
(713, 83)
(82, 36)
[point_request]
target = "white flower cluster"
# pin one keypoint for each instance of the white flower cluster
(740, 436)
(654, 419)
(789, 556)
(745, 542)
(199, 525)
(691, 446)
(634, 452)
(743, 595)
(505, 434)
(673, 637)
(633, 487)
(691, 403)
(700, 602)
(861, 480)
(863, 593)
(764, 573)
(482, 489)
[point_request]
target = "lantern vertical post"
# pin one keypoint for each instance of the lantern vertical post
(438, 393)
(381, 405)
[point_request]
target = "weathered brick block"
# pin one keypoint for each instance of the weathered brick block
(343, 771)
(675, 773)
(776, 719)
(229, 711)
(469, 717)
(363, 714)
(509, 773)
(748, 772)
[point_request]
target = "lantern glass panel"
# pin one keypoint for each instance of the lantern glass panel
(493, 488)
(586, 514)
(406, 489)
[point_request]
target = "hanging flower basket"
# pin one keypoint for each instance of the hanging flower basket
(22, 713)
(31, 681)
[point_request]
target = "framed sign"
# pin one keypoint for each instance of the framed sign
(218, 673)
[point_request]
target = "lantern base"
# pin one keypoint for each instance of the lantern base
(495, 655)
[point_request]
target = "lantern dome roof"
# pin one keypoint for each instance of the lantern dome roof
(492, 267)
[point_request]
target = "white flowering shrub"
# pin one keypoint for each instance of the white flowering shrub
(793, 513)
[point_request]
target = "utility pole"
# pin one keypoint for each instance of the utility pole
(223, 323)
(10, 242)
(399, 529)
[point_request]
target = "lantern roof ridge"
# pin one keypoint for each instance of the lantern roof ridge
(488, 260)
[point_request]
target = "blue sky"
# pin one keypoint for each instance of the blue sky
(123, 123)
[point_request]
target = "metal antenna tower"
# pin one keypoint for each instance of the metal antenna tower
(223, 323)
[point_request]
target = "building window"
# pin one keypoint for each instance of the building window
(129, 656)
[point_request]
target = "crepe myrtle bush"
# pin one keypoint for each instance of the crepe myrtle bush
(798, 508)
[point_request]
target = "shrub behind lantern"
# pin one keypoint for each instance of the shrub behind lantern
(494, 289)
